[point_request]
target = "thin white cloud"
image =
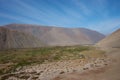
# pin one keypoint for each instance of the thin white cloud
(41, 14)
(17, 18)
(68, 10)
(87, 11)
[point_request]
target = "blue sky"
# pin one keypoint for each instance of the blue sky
(99, 15)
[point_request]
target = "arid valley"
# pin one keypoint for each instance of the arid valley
(34, 61)
(59, 39)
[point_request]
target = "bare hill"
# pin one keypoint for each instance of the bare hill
(58, 36)
(112, 40)
(14, 39)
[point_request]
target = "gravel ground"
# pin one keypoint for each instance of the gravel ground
(49, 71)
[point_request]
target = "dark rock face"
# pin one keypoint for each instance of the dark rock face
(31, 36)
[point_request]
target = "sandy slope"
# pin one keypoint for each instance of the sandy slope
(111, 41)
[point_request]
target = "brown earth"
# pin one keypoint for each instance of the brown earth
(111, 72)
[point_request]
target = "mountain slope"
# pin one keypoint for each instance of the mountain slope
(14, 39)
(112, 40)
(57, 36)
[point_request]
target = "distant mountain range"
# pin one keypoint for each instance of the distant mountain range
(32, 36)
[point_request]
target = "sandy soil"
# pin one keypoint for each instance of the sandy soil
(111, 72)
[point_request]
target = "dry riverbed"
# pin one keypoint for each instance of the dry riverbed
(49, 71)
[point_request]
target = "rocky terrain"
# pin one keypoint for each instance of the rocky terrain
(14, 39)
(109, 72)
(48, 71)
(49, 62)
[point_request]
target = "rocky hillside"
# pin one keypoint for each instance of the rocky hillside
(14, 39)
(58, 35)
(112, 40)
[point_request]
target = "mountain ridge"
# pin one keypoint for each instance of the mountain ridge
(55, 36)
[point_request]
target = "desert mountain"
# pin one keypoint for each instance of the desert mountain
(112, 40)
(14, 39)
(58, 35)
(24, 35)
